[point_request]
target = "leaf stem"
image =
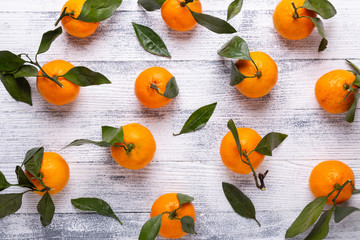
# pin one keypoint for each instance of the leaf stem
(296, 14)
(153, 86)
(259, 177)
(339, 189)
(44, 74)
(64, 14)
(183, 4)
(258, 73)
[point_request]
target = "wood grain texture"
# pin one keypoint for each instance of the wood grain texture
(189, 163)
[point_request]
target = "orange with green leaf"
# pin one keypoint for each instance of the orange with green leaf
(242, 150)
(172, 216)
(331, 182)
(155, 87)
(254, 74)
(296, 19)
(132, 146)
(338, 91)
(184, 15)
(81, 18)
(58, 82)
(46, 173)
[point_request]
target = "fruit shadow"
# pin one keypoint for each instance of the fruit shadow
(308, 44)
(119, 173)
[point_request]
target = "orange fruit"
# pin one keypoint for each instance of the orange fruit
(326, 175)
(171, 228)
(147, 95)
(229, 153)
(330, 91)
(287, 26)
(143, 151)
(177, 17)
(52, 92)
(258, 86)
(55, 171)
(75, 27)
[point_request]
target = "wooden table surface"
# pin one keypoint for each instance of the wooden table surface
(189, 163)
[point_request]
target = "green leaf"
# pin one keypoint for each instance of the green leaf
(83, 77)
(214, 24)
(150, 40)
(342, 212)
(46, 208)
(4, 184)
(29, 154)
(95, 205)
(10, 203)
(26, 71)
(151, 5)
(151, 228)
(188, 224)
(80, 142)
(233, 129)
(241, 204)
(198, 119)
(321, 228)
(322, 7)
(9, 61)
(33, 165)
(236, 48)
(18, 88)
(356, 191)
(353, 65)
(98, 10)
(234, 9)
(270, 142)
(171, 89)
(183, 199)
(320, 27)
(307, 217)
(23, 180)
(350, 115)
(236, 76)
(357, 81)
(47, 39)
(112, 135)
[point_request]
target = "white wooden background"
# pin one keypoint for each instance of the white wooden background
(189, 163)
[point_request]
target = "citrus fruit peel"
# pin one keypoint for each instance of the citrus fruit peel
(110, 137)
(171, 89)
(151, 228)
(265, 146)
(11, 203)
(323, 8)
(353, 88)
(14, 70)
(212, 23)
(93, 11)
(237, 48)
(311, 213)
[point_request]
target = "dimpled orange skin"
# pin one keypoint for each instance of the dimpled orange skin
(177, 17)
(144, 149)
(326, 174)
(148, 96)
(330, 92)
(167, 203)
(56, 173)
(289, 27)
(258, 86)
(75, 27)
(52, 92)
(229, 153)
